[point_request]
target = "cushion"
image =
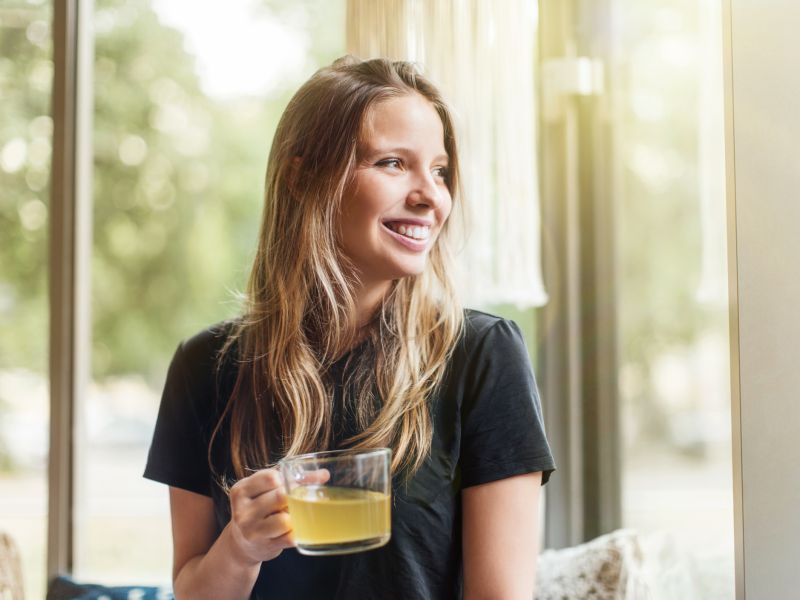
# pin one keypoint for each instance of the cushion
(10, 569)
(606, 568)
(64, 588)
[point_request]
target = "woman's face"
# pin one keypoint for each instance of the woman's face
(399, 201)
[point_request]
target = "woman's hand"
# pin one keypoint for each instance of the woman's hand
(260, 524)
(227, 566)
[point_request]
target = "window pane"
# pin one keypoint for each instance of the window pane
(666, 75)
(186, 100)
(26, 71)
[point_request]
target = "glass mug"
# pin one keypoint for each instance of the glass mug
(339, 501)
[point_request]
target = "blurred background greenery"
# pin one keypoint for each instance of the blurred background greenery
(177, 193)
(177, 181)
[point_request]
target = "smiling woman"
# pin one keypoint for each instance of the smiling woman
(399, 201)
(352, 337)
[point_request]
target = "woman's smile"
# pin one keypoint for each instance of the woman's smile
(413, 238)
(415, 232)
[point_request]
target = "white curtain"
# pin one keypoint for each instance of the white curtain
(482, 55)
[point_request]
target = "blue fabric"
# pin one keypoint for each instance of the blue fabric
(64, 588)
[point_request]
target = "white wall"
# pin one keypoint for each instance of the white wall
(763, 147)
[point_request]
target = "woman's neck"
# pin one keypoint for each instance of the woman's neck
(368, 301)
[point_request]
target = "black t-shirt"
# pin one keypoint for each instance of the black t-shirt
(487, 425)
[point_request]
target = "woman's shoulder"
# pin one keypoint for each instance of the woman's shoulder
(485, 335)
(478, 321)
(479, 324)
(203, 347)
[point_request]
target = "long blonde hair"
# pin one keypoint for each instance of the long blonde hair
(299, 313)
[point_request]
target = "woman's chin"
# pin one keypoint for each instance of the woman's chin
(412, 269)
(404, 271)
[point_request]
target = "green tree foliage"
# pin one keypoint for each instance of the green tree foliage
(26, 72)
(162, 223)
(177, 185)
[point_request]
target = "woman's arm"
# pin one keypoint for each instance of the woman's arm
(228, 566)
(501, 538)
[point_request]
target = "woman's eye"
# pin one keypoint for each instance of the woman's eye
(441, 172)
(393, 163)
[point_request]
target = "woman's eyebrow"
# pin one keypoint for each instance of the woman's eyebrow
(404, 150)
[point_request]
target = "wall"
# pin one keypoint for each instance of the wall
(763, 148)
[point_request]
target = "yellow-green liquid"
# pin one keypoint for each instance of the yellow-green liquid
(335, 515)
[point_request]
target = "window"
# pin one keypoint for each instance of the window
(26, 127)
(632, 346)
(635, 348)
(181, 134)
(672, 309)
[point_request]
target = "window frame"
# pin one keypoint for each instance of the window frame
(69, 266)
(577, 358)
(584, 499)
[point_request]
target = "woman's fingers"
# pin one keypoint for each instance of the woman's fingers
(275, 526)
(256, 497)
(256, 484)
(253, 511)
(259, 510)
(317, 477)
(285, 541)
(268, 503)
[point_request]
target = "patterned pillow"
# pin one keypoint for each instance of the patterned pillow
(606, 568)
(64, 588)
(10, 568)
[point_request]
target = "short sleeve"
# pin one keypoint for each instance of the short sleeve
(179, 450)
(503, 431)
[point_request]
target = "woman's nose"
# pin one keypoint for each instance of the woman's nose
(425, 192)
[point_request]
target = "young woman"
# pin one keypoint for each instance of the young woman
(351, 336)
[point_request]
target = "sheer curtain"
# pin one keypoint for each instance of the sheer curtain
(482, 55)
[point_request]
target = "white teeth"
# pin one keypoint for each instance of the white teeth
(416, 233)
